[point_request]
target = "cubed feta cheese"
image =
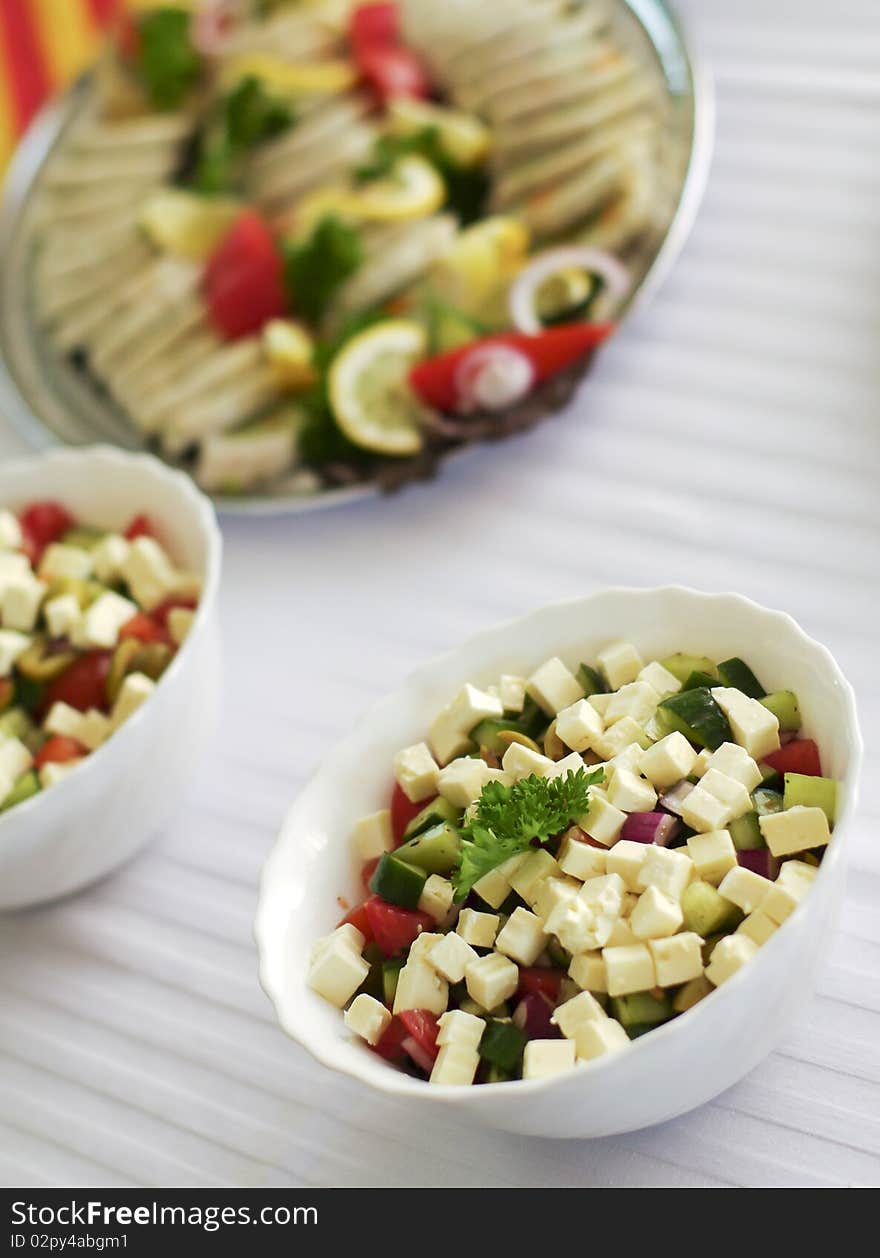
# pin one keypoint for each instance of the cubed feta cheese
(450, 732)
(372, 835)
(337, 970)
(677, 959)
(552, 892)
(553, 687)
(522, 937)
(758, 926)
(462, 780)
(347, 933)
(149, 573)
(667, 870)
(458, 1027)
(180, 622)
(754, 726)
(626, 859)
(478, 929)
(572, 763)
(619, 663)
(660, 679)
(629, 969)
(21, 604)
(668, 761)
(61, 561)
(367, 1017)
(795, 830)
(744, 888)
(134, 691)
(13, 566)
(15, 759)
(783, 898)
(579, 859)
(108, 558)
(579, 927)
(62, 614)
(491, 980)
(604, 894)
(656, 915)
(732, 760)
(729, 955)
(12, 645)
(99, 625)
(512, 692)
(584, 1007)
(587, 969)
(603, 822)
(543, 1058)
(636, 699)
(703, 811)
(494, 887)
(794, 869)
(451, 956)
(417, 772)
(713, 854)
(419, 986)
(618, 737)
(531, 871)
(621, 933)
(94, 729)
(522, 762)
(579, 725)
(54, 772)
(10, 531)
(455, 1066)
(729, 791)
(436, 897)
(631, 793)
(596, 1039)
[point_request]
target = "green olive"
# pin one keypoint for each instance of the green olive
(554, 747)
(508, 736)
(152, 659)
(120, 666)
(41, 662)
(83, 538)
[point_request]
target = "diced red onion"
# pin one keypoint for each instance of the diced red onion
(211, 24)
(422, 1059)
(787, 736)
(532, 1015)
(523, 292)
(676, 795)
(760, 861)
(650, 827)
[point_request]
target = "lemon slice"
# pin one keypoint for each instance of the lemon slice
(190, 226)
(463, 137)
(291, 78)
(480, 263)
(290, 351)
(369, 393)
(413, 189)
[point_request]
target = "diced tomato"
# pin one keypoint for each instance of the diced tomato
(373, 25)
(422, 1025)
(145, 629)
(358, 917)
(801, 755)
(368, 870)
(533, 1015)
(391, 71)
(141, 526)
(243, 283)
(58, 750)
(41, 524)
(160, 613)
(390, 1046)
(402, 812)
(83, 684)
(394, 928)
(535, 978)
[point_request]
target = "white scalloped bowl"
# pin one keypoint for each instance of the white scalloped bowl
(680, 1065)
(98, 817)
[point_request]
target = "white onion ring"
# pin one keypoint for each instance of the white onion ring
(210, 25)
(492, 377)
(522, 304)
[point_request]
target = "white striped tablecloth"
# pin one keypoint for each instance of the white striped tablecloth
(728, 439)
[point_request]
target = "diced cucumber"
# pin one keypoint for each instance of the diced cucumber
(812, 792)
(24, 788)
(698, 679)
(397, 882)
(736, 673)
(390, 974)
(502, 1045)
(84, 538)
(766, 801)
(681, 665)
(433, 814)
(638, 1029)
(591, 680)
(494, 1074)
(485, 734)
(641, 1008)
(449, 328)
(746, 833)
(470, 1006)
(16, 723)
(705, 911)
(434, 851)
(784, 706)
(691, 994)
(558, 954)
(696, 714)
(532, 718)
(374, 983)
(770, 776)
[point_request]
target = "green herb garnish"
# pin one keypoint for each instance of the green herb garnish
(316, 268)
(166, 61)
(508, 819)
(248, 116)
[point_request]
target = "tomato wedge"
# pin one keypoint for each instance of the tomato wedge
(145, 629)
(83, 685)
(394, 928)
(59, 750)
(402, 812)
(141, 526)
(243, 283)
(538, 979)
(358, 917)
(43, 523)
(422, 1025)
(801, 755)
(390, 1046)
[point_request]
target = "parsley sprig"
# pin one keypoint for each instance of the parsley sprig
(508, 819)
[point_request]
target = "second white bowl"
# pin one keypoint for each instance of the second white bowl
(671, 1070)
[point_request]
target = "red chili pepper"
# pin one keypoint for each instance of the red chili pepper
(801, 755)
(59, 750)
(373, 25)
(243, 284)
(439, 381)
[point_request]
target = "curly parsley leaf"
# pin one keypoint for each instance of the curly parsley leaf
(316, 268)
(248, 116)
(167, 62)
(508, 819)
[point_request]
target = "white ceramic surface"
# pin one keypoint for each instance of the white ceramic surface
(675, 1068)
(111, 804)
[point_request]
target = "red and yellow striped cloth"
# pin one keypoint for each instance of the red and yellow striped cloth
(43, 45)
